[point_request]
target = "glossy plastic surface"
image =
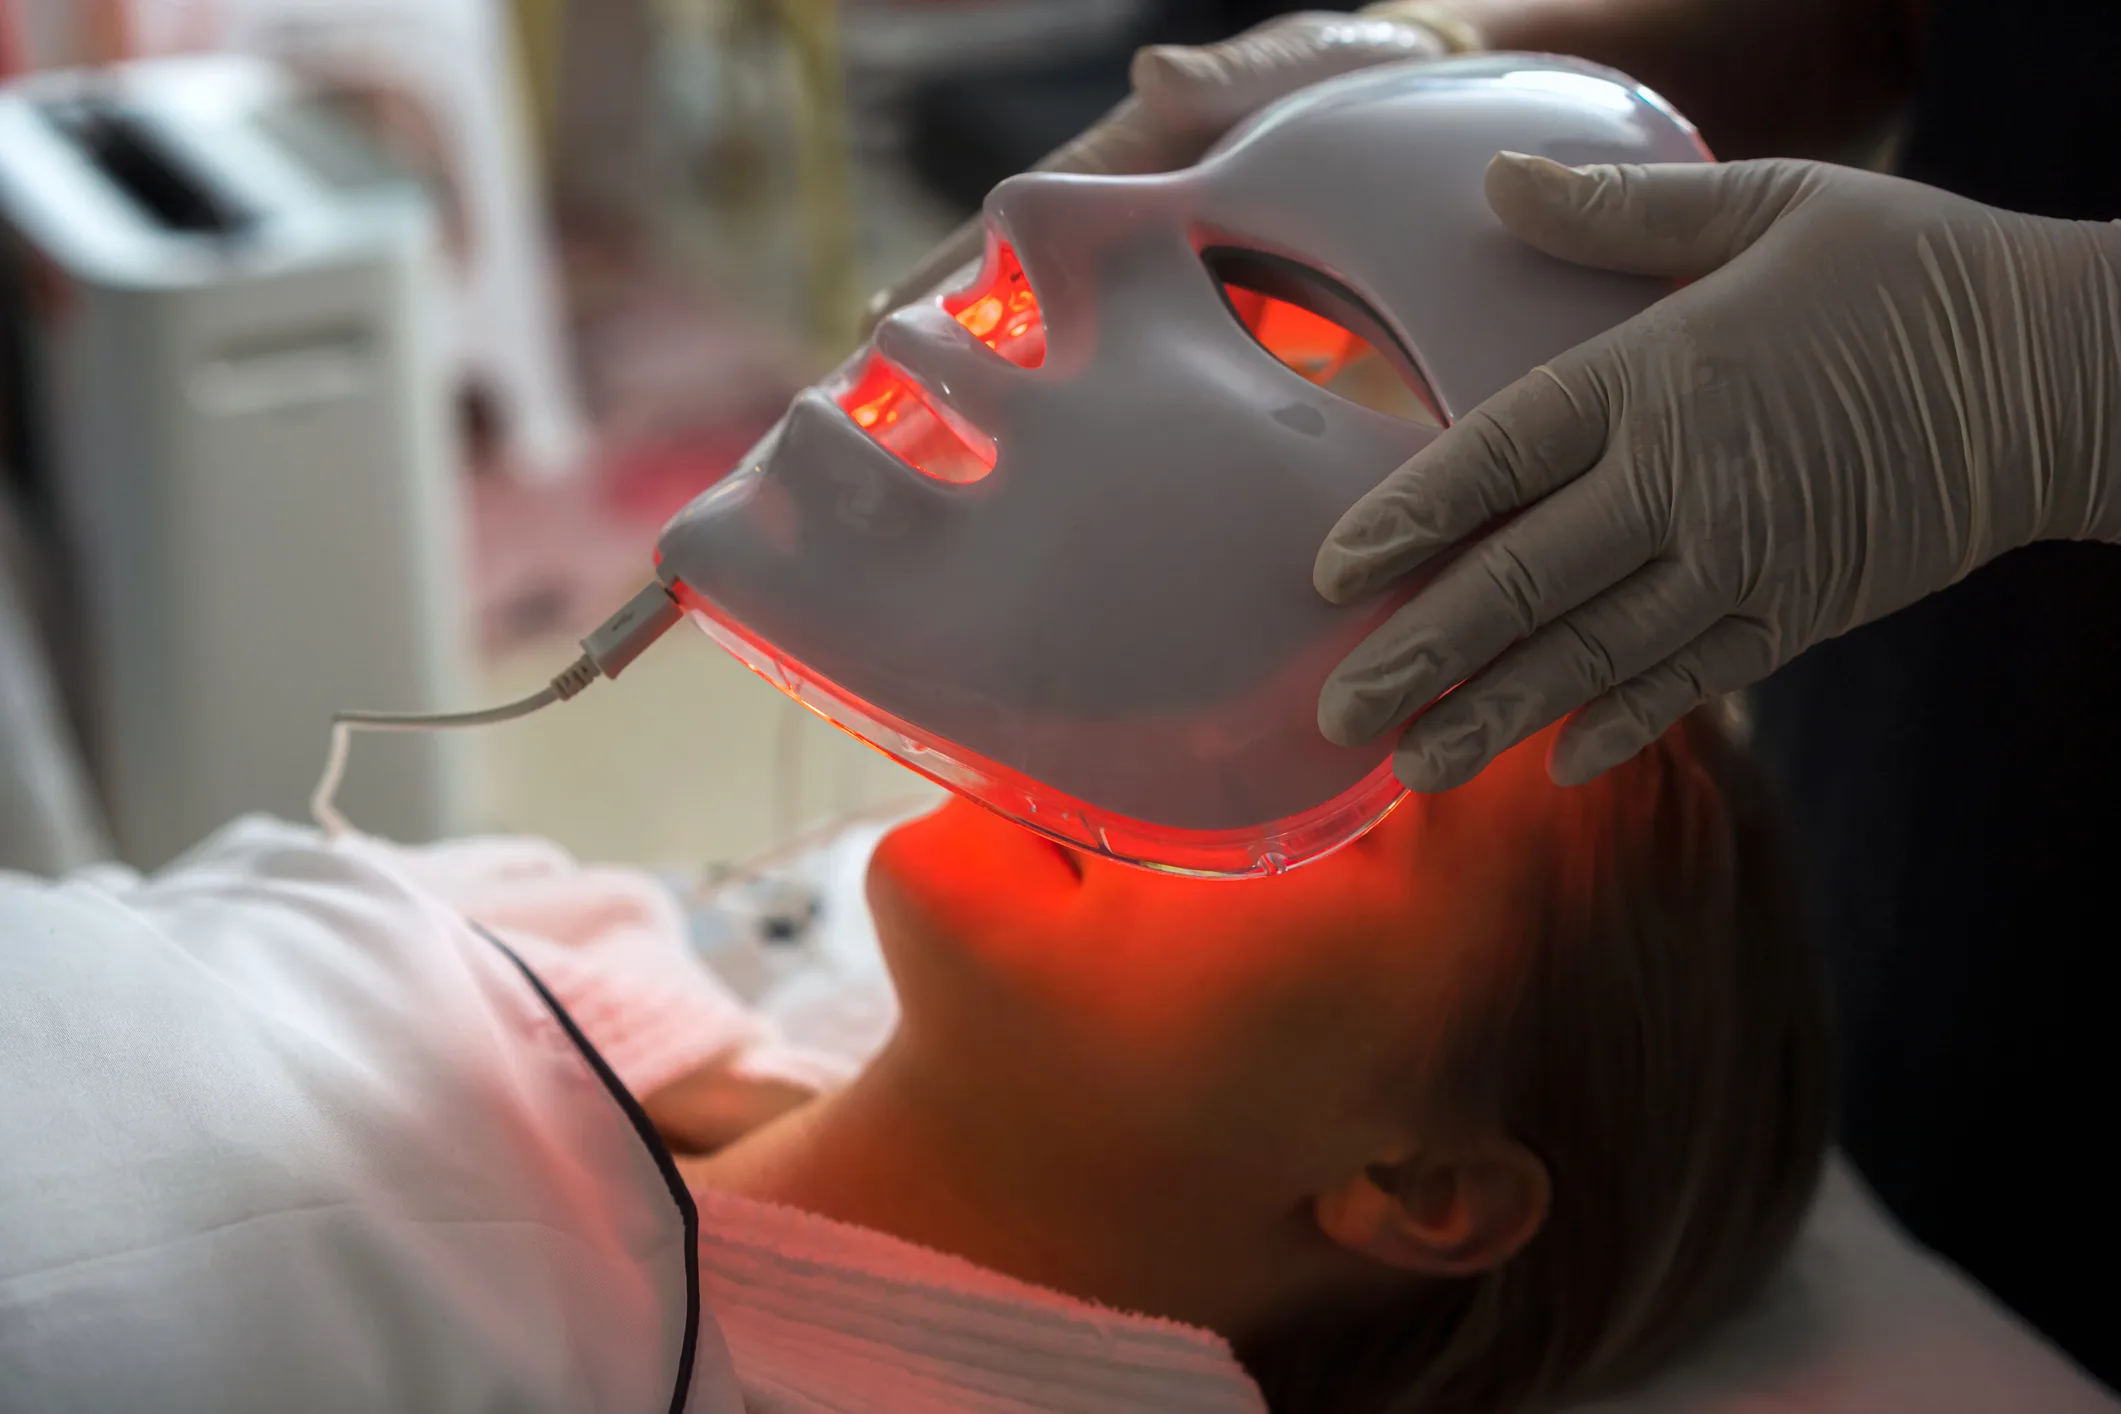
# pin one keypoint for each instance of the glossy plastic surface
(1048, 540)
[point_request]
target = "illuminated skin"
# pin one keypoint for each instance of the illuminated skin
(1171, 1095)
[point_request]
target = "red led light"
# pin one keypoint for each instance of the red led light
(1002, 313)
(932, 440)
(1310, 343)
(1334, 357)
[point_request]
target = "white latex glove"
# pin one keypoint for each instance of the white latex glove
(1186, 98)
(1871, 389)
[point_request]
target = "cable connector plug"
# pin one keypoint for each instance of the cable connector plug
(627, 634)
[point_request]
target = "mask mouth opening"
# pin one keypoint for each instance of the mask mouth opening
(1000, 310)
(1320, 329)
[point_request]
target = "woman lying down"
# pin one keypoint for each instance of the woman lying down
(1520, 1101)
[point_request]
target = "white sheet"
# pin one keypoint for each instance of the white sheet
(1862, 1321)
(279, 1131)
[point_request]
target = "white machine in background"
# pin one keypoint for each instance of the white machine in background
(443, 79)
(233, 403)
(452, 63)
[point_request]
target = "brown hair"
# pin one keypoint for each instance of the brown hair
(1659, 1040)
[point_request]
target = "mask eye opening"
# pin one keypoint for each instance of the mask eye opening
(1320, 329)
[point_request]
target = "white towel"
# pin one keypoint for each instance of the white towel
(614, 946)
(609, 943)
(821, 1317)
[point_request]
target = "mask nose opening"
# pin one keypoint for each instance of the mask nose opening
(1000, 310)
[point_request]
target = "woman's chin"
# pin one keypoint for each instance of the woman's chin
(965, 883)
(965, 854)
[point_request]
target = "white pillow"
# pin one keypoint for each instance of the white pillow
(1862, 1321)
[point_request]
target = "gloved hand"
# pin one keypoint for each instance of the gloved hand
(1186, 98)
(1870, 389)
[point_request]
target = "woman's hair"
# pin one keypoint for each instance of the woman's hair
(1658, 1038)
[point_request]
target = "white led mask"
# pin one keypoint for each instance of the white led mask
(1048, 539)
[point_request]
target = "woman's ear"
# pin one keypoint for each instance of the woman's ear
(1445, 1214)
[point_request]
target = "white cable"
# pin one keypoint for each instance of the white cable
(345, 724)
(605, 653)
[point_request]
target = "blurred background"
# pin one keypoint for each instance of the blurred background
(352, 352)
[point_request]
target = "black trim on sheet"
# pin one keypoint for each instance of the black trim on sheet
(664, 1163)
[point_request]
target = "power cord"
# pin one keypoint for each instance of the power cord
(606, 653)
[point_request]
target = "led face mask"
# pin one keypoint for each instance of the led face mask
(1048, 539)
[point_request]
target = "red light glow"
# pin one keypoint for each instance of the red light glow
(1002, 313)
(1265, 849)
(1333, 357)
(893, 410)
(1311, 344)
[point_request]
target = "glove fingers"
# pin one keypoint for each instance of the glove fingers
(1562, 553)
(1538, 434)
(1206, 90)
(1680, 219)
(1571, 661)
(1733, 654)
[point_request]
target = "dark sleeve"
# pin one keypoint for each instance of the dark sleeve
(1953, 773)
(2016, 105)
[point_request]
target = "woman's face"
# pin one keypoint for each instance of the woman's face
(1145, 1025)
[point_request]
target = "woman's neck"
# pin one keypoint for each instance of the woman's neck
(876, 1155)
(899, 1156)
